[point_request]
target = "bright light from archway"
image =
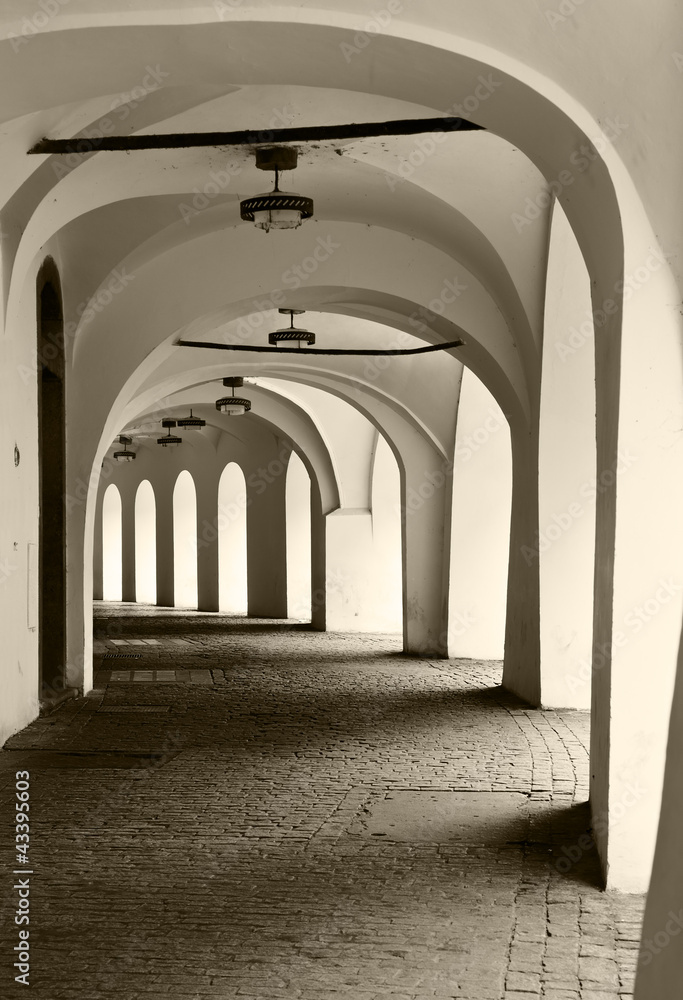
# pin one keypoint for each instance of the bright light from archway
(112, 545)
(232, 541)
(185, 541)
(145, 544)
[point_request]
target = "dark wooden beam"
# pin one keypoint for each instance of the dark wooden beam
(318, 350)
(314, 133)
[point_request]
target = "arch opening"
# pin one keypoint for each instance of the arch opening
(145, 544)
(112, 545)
(185, 541)
(298, 527)
(232, 541)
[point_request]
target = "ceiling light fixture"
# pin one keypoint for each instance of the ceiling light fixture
(233, 406)
(125, 455)
(276, 209)
(170, 441)
(291, 332)
(191, 421)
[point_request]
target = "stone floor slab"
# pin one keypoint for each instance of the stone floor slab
(226, 855)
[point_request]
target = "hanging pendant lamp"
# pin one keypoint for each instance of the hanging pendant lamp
(170, 441)
(276, 209)
(125, 455)
(233, 406)
(191, 421)
(291, 333)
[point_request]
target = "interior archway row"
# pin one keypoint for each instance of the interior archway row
(620, 211)
(375, 504)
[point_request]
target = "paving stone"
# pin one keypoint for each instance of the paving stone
(588, 994)
(230, 858)
(525, 982)
(599, 970)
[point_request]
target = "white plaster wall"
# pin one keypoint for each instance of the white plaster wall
(386, 536)
(350, 572)
(480, 527)
(648, 581)
(18, 526)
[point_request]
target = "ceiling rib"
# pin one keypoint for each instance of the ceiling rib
(249, 137)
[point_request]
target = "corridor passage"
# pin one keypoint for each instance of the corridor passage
(245, 808)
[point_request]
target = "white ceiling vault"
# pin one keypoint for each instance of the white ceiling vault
(434, 235)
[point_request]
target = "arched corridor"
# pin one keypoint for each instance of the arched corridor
(336, 336)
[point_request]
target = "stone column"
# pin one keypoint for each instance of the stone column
(207, 544)
(97, 548)
(318, 562)
(128, 589)
(165, 578)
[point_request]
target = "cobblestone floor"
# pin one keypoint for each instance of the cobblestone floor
(208, 823)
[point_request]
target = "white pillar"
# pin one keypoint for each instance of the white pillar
(480, 528)
(639, 563)
(567, 479)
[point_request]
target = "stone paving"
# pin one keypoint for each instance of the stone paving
(255, 810)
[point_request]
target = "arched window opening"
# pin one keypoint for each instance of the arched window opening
(298, 515)
(145, 545)
(112, 545)
(185, 541)
(232, 541)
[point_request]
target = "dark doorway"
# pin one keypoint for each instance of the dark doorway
(52, 473)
